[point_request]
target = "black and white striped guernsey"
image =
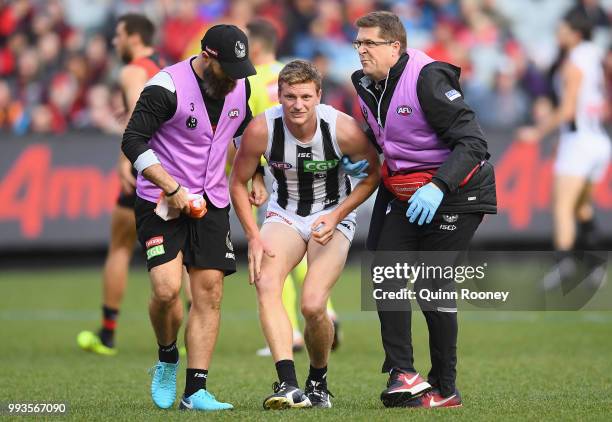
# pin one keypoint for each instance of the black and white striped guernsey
(308, 177)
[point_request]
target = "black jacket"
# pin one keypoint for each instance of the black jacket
(455, 124)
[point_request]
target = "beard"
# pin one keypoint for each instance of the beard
(126, 56)
(215, 86)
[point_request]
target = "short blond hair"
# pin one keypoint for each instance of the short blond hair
(299, 72)
(389, 24)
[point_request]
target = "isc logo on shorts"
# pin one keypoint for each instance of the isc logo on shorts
(233, 113)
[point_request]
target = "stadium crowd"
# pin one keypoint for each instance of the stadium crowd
(58, 70)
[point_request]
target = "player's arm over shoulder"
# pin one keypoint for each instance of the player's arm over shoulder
(354, 142)
(255, 136)
(252, 146)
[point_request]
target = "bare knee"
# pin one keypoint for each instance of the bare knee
(165, 293)
(314, 309)
(269, 287)
(206, 289)
(209, 296)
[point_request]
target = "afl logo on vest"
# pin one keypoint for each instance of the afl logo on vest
(233, 113)
(192, 122)
(404, 110)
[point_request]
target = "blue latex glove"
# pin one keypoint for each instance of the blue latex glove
(424, 202)
(355, 169)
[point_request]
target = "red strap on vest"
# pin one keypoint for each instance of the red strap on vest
(470, 174)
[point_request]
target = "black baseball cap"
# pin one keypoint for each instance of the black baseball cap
(230, 46)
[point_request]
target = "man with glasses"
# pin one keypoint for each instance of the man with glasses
(436, 188)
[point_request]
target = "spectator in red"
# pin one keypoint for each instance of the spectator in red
(96, 53)
(180, 28)
(29, 88)
(62, 98)
(445, 48)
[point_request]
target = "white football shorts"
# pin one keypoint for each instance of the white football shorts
(302, 225)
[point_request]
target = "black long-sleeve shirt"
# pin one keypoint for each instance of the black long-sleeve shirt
(157, 105)
(453, 121)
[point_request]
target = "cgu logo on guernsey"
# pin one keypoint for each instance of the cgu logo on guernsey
(404, 110)
(233, 113)
(317, 166)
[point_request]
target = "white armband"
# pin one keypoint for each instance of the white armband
(146, 159)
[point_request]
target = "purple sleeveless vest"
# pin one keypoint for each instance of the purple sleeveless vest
(186, 145)
(407, 140)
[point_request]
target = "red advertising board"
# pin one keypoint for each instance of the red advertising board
(59, 192)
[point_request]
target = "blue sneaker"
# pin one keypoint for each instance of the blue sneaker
(203, 400)
(163, 384)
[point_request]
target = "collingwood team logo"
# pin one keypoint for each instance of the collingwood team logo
(191, 122)
(228, 242)
(240, 49)
(450, 218)
(230, 247)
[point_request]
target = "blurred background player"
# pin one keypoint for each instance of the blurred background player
(584, 147)
(133, 43)
(264, 94)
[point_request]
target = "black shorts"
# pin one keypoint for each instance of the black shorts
(205, 242)
(128, 200)
(446, 232)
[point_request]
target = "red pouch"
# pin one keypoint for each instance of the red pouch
(404, 185)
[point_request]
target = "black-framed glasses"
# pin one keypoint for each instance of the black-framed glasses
(370, 43)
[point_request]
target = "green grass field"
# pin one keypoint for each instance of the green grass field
(512, 365)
